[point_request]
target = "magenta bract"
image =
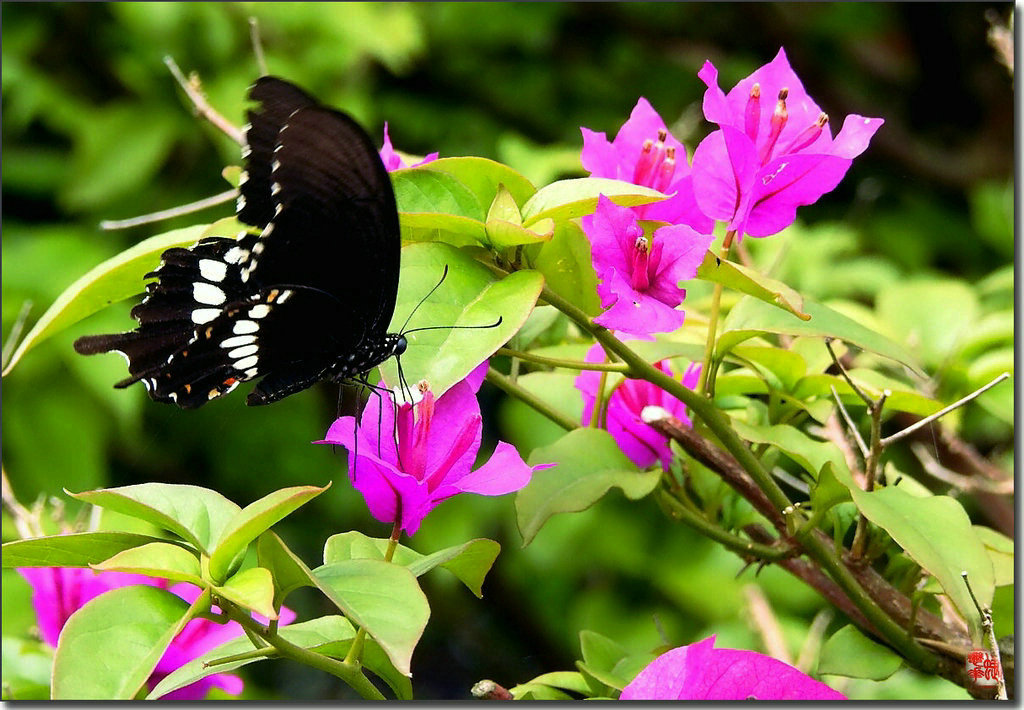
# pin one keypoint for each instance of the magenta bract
(392, 160)
(702, 672)
(639, 275)
(773, 152)
(404, 468)
(641, 443)
(645, 153)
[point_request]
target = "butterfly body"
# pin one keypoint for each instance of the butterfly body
(306, 295)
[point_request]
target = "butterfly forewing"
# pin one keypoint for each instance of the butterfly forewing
(308, 298)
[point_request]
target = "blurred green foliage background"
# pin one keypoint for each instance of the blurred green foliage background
(95, 128)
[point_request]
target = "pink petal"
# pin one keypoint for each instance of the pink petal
(454, 435)
(504, 472)
(635, 312)
(701, 672)
(724, 165)
(476, 377)
(787, 183)
(855, 135)
(683, 251)
(599, 157)
(681, 208)
(607, 229)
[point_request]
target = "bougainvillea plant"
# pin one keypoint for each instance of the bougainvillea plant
(747, 391)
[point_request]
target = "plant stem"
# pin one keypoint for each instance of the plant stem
(870, 472)
(350, 673)
(506, 385)
(743, 547)
(568, 364)
(707, 385)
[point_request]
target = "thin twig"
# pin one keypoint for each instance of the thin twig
(989, 638)
(964, 483)
(849, 423)
(842, 371)
(257, 45)
(506, 385)
(870, 471)
(564, 363)
(942, 412)
(226, 196)
(15, 334)
(192, 88)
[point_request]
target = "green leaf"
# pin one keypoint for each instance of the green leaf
(589, 464)
(110, 646)
(469, 561)
(567, 199)
(850, 653)
(565, 680)
(811, 455)
(289, 572)
(384, 599)
(196, 514)
(903, 397)
(828, 491)
(502, 234)
(504, 208)
(116, 279)
(436, 227)
(930, 316)
(748, 281)
(538, 691)
(601, 656)
(74, 550)
(568, 268)
(936, 532)
(751, 317)
(785, 367)
(253, 589)
(157, 559)
(252, 521)
(422, 190)
(470, 296)
(1000, 551)
(308, 634)
(27, 666)
(483, 176)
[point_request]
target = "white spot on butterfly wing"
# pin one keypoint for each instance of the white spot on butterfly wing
(204, 315)
(243, 352)
(208, 294)
(259, 311)
(238, 340)
(246, 363)
(284, 296)
(244, 327)
(250, 373)
(213, 270)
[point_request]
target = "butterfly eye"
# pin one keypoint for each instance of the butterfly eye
(400, 345)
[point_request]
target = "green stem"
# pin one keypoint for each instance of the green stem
(870, 472)
(717, 422)
(350, 673)
(263, 652)
(508, 386)
(559, 362)
(707, 385)
(741, 546)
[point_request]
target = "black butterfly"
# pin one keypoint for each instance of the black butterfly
(308, 299)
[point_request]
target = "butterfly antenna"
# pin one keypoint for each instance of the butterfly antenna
(430, 293)
(495, 324)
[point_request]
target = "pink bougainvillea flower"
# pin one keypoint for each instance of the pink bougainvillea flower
(641, 443)
(404, 469)
(702, 672)
(639, 275)
(773, 152)
(58, 592)
(394, 161)
(645, 153)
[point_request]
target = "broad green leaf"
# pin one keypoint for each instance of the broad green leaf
(850, 653)
(470, 296)
(253, 520)
(422, 190)
(937, 534)
(289, 572)
(110, 646)
(437, 227)
(1000, 551)
(482, 177)
(157, 559)
(751, 317)
(902, 399)
(198, 515)
(567, 266)
(740, 278)
(811, 455)
(589, 464)
(384, 599)
(116, 279)
(827, 490)
(538, 691)
(469, 561)
(307, 634)
(253, 589)
(74, 550)
(566, 680)
(566, 199)
(786, 366)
